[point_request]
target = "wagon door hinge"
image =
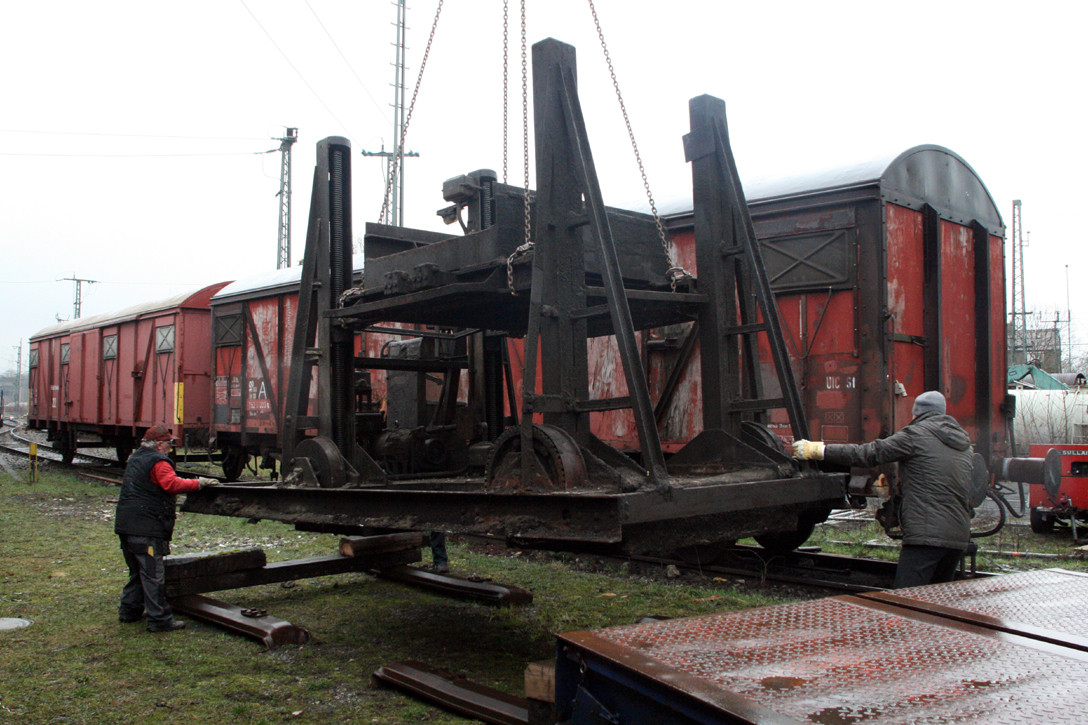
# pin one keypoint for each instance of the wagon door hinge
(919, 340)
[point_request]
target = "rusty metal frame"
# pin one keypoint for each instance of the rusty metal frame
(579, 516)
(722, 484)
(730, 261)
(565, 176)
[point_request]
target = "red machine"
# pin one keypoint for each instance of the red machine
(1062, 497)
(104, 380)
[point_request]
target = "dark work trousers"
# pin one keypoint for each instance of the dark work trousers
(146, 587)
(920, 565)
(438, 550)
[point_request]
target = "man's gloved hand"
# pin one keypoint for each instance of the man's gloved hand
(205, 482)
(808, 450)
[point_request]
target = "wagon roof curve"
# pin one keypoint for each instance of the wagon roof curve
(184, 300)
(926, 174)
(261, 284)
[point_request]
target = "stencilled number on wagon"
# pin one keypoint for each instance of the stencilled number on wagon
(839, 382)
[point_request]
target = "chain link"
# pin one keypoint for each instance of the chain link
(505, 86)
(408, 119)
(674, 273)
(527, 245)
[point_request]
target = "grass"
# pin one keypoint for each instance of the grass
(1014, 548)
(60, 567)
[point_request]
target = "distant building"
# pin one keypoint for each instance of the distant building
(1042, 348)
(1073, 380)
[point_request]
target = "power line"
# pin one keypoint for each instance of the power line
(132, 135)
(347, 62)
(137, 156)
(293, 67)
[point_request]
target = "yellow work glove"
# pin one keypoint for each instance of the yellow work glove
(808, 450)
(205, 482)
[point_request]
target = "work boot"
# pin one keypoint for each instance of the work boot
(441, 568)
(129, 618)
(172, 626)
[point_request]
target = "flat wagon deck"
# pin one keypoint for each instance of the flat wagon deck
(1006, 649)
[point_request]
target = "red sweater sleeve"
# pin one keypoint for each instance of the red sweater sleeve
(163, 476)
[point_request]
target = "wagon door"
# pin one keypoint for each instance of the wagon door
(907, 310)
(110, 396)
(811, 259)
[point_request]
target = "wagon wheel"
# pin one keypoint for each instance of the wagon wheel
(781, 542)
(123, 450)
(234, 462)
(325, 460)
(66, 444)
(557, 462)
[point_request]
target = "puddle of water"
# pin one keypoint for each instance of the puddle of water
(7, 623)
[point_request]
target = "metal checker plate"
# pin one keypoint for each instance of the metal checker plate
(1029, 602)
(835, 661)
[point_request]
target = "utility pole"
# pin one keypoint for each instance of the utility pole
(283, 256)
(1068, 322)
(396, 208)
(18, 374)
(1019, 342)
(78, 306)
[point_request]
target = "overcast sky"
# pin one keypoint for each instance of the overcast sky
(131, 132)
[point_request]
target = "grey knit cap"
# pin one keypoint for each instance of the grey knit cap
(928, 401)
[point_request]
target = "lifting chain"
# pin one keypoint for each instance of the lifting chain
(527, 245)
(674, 273)
(408, 119)
(505, 86)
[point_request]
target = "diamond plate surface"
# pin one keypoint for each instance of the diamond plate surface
(834, 661)
(1050, 599)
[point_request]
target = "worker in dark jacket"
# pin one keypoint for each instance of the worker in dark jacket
(145, 522)
(935, 463)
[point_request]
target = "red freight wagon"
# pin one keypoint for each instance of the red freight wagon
(890, 281)
(253, 325)
(104, 380)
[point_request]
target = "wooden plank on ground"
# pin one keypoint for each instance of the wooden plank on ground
(540, 680)
(282, 571)
(210, 563)
(360, 545)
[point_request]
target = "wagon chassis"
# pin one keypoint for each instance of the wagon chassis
(547, 478)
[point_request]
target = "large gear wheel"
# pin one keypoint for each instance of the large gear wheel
(558, 462)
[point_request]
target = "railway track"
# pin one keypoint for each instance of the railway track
(104, 469)
(807, 568)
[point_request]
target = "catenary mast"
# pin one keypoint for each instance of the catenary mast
(283, 255)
